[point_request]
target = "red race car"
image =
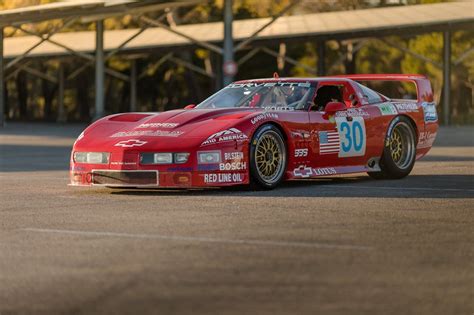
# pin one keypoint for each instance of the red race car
(262, 132)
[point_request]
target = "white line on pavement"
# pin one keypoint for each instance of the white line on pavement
(201, 239)
(400, 188)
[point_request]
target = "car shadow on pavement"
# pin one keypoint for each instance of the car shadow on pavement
(413, 186)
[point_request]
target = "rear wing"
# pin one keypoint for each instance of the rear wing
(423, 85)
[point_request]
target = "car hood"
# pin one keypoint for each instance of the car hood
(171, 130)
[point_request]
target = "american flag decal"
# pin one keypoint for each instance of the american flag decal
(328, 142)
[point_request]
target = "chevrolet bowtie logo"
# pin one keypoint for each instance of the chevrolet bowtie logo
(303, 171)
(130, 143)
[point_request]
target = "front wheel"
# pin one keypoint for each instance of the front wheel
(267, 157)
(399, 151)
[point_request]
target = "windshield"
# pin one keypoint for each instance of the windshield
(269, 95)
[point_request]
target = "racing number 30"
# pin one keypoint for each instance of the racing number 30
(352, 137)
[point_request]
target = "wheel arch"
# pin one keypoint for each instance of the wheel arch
(413, 124)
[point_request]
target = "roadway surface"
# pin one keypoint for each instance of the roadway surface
(331, 246)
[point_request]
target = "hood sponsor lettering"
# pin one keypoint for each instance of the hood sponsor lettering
(225, 136)
(147, 133)
(157, 125)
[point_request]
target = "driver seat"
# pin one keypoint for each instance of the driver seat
(326, 94)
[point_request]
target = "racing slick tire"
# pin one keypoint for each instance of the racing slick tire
(399, 151)
(268, 157)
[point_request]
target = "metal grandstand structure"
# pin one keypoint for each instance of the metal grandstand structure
(223, 38)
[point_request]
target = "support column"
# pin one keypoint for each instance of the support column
(321, 58)
(2, 92)
(99, 70)
(446, 77)
(61, 112)
(133, 85)
(228, 59)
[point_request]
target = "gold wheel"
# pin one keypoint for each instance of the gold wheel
(402, 146)
(270, 157)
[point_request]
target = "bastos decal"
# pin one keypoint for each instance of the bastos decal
(227, 135)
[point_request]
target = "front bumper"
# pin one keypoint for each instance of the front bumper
(157, 178)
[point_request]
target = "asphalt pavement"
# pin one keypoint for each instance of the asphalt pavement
(348, 245)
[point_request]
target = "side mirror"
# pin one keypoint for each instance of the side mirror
(190, 106)
(333, 107)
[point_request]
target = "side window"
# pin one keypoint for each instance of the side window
(371, 96)
(326, 94)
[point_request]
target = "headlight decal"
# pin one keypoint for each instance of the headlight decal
(209, 157)
(92, 157)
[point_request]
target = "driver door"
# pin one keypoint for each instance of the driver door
(338, 137)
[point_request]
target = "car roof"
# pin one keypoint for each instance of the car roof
(318, 79)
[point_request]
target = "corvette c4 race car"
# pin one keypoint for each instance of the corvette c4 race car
(262, 132)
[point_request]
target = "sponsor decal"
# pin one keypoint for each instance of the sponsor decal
(300, 134)
(130, 143)
(267, 84)
(263, 116)
(180, 169)
(284, 108)
(429, 111)
(406, 107)
(78, 168)
(227, 135)
(352, 137)
(235, 166)
(387, 109)
(324, 171)
(123, 163)
(157, 125)
(233, 156)
(147, 133)
(301, 152)
(207, 167)
(223, 178)
(328, 142)
(352, 112)
(305, 172)
(426, 139)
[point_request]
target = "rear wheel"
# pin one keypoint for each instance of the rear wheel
(267, 157)
(399, 152)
